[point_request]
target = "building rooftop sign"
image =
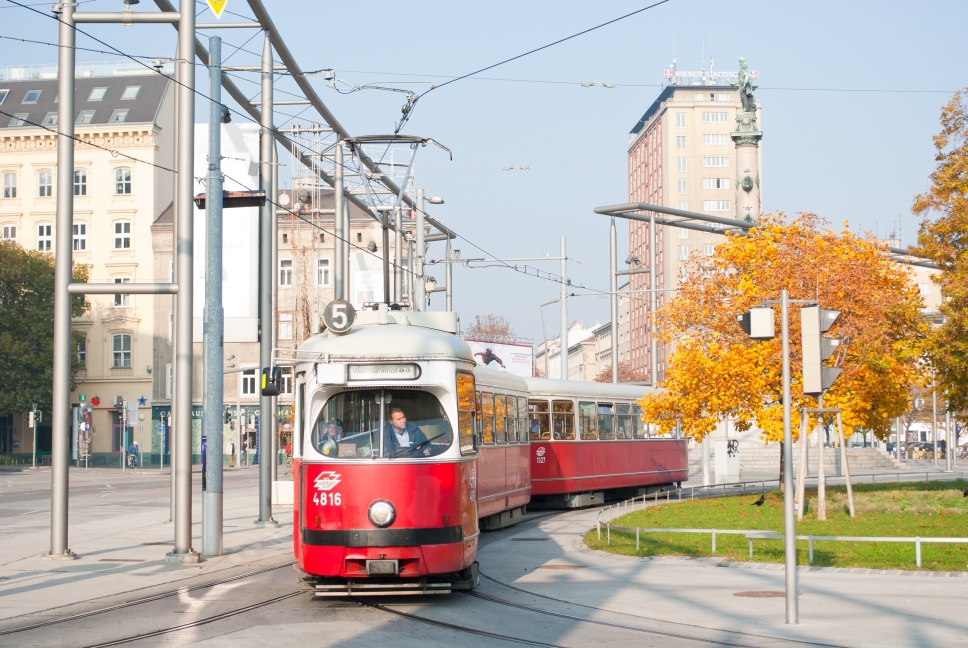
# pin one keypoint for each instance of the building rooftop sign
(703, 76)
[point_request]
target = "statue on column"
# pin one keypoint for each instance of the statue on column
(745, 85)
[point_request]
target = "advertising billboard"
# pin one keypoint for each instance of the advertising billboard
(517, 359)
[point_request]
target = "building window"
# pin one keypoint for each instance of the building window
(708, 249)
(683, 232)
(50, 119)
(682, 186)
(715, 183)
(359, 237)
(119, 115)
(44, 237)
(285, 273)
(715, 205)
(82, 351)
(19, 119)
(32, 96)
(680, 142)
(715, 117)
(680, 120)
(97, 94)
(699, 97)
(80, 182)
(285, 326)
(122, 235)
(9, 233)
(715, 162)
(121, 351)
(85, 117)
(3, 95)
(924, 288)
(131, 92)
(122, 301)
(720, 139)
(9, 185)
(683, 252)
(248, 382)
(681, 164)
(45, 184)
(286, 387)
(683, 205)
(80, 237)
(122, 181)
(168, 380)
(322, 272)
(171, 325)
(721, 96)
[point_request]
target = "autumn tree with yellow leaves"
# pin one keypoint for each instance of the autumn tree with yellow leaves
(716, 371)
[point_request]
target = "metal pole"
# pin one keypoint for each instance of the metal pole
(706, 471)
(398, 255)
(266, 277)
(213, 322)
(182, 406)
(347, 275)
(789, 528)
(385, 222)
(653, 273)
(947, 439)
(934, 420)
(563, 338)
(63, 273)
(420, 292)
(613, 286)
(274, 405)
(174, 300)
(897, 438)
(339, 270)
(450, 277)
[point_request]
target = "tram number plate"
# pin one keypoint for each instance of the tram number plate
(382, 567)
(327, 499)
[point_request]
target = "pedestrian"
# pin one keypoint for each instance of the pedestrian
(133, 455)
(231, 454)
(243, 456)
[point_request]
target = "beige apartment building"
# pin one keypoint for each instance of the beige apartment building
(116, 199)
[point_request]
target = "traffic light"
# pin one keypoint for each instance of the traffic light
(228, 416)
(271, 381)
(815, 321)
(758, 323)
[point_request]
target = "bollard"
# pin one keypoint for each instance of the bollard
(810, 544)
(714, 540)
(751, 546)
(599, 526)
(917, 550)
(636, 538)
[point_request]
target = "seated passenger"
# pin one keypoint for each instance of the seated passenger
(402, 438)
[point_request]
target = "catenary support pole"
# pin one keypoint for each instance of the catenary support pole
(398, 254)
(613, 298)
(563, 338)
(274, 402)
(339, 271)
(934, 421)
(347, 268)
(185, 150)
(266, 277)
(449, 253)
(63, 273)
(213, 323)
(789, 528)
(420, 299)
(653, 273)
(174, 301)
(949, 448)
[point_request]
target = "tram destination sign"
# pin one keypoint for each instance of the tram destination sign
(383, 372)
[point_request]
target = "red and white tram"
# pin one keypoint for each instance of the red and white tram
(404, 449)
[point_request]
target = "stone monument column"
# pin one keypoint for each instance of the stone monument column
(747, 138)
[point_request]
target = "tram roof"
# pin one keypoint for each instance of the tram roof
(581, 389)
(486, 377)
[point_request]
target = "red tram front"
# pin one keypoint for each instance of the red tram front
(386, 462)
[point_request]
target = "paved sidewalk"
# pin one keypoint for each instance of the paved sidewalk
(119, 529)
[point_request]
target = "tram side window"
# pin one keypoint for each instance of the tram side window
(466, 412)
(540, 426)
(639, 428)
(522, 419)
(480, 421)
(606, 428)
(512, 414)
(500, 418)
(487, 416)
(587, 421)
(623, 421)
(563, 420)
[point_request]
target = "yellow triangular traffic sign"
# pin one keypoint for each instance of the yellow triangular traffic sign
(217, 6)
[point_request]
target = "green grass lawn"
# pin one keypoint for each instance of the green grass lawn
(932, 509)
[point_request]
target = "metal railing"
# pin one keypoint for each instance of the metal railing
(721, 490)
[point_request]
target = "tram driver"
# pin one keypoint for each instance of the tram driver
(403, 438)
(330, 438)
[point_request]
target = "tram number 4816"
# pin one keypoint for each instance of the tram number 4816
(327, 499)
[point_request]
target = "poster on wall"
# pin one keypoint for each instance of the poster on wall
(366, 279)
(517, 359)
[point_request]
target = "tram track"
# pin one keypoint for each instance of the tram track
(143, 600)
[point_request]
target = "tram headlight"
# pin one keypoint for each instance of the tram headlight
(382, 514)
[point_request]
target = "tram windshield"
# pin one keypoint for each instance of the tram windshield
(382, 423)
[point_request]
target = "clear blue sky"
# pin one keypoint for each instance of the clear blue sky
(830, 146)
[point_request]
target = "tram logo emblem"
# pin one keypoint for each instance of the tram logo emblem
(540, 451)
(326, 481)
